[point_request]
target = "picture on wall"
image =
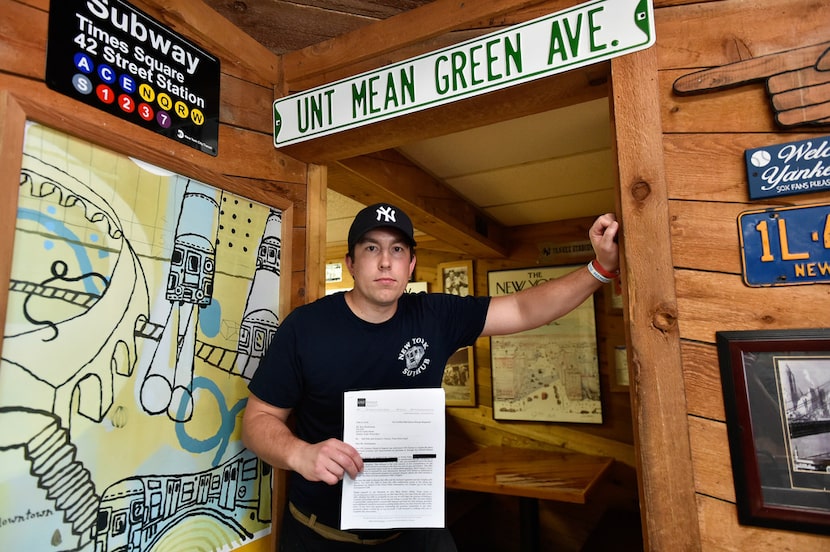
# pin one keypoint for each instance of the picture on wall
(549, 373)
(456, 278)
(140, 304)
(776, 390)
(459, 381)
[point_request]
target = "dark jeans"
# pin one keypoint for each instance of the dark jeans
(296, 537)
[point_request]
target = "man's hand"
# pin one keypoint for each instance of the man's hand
(266, 434)
(328, 461)
(798, 82)
(603, 235)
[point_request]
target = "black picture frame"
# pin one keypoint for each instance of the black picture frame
(776, 390)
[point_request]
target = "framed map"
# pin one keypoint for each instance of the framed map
(549, 373)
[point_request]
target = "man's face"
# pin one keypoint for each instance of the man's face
(381, 266)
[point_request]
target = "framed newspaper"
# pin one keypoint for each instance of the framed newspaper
(550, 373)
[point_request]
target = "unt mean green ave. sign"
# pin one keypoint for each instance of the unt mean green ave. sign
(589, 33)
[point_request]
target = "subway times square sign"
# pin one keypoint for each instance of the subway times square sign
(585, 34)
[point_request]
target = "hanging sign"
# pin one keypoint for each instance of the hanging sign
(786, 246)
(108, 54)
(582, 35)
(788, 169)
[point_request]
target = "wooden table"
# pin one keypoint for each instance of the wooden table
(531, 475)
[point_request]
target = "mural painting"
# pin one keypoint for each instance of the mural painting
(140, 303)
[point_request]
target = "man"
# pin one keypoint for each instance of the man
(364, 339)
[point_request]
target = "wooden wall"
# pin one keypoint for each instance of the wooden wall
(704, 137)
(247, 163)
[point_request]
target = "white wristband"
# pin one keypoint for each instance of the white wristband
(597, 275)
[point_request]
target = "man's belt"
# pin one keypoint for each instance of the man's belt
(331, 533)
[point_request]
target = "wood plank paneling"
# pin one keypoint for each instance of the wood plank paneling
(12, 119)
(716, 33)
(22, 44)
(701, 371)
(713, 468)
(711, 302)
(720, 532)
(704, 235)
(748, 108)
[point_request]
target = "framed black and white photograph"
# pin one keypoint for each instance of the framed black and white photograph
(776, 388)
(456, 278)
(459, 381)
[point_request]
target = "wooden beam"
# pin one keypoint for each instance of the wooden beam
(317, 211)
(434, 208)
(570, 88)
(396, 32)
(658, 398)
(241, 55)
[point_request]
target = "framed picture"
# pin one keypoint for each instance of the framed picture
(776, 389)
(613, 298)
(550, 373)
(460, 378)
(417, 287)
(456, 278)
(617, 366)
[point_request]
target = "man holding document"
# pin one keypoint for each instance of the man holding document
(361, 373)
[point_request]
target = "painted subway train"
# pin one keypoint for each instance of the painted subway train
(136, 512)
(191, 270)
(268, 255)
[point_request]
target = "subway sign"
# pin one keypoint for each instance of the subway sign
(582, 35)
(786, 246)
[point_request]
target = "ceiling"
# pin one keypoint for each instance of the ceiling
(545, 167)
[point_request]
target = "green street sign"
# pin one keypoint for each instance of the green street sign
(582, 35)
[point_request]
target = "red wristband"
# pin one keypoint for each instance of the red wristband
(603, 272)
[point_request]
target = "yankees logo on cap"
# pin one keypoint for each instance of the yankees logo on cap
(380, 215)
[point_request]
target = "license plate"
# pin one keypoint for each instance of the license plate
(786, 246)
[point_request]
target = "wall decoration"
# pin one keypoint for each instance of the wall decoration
(788, 169)
(114, 57)
(459, 381)
(417, 287)
(334, 272)
(140, 303)
(617, 356)
(614, 298)
(549, 373)
(796, 81)
(785, 246)
(456, 278)
(776, 390)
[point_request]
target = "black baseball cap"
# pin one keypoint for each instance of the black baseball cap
(380, 215)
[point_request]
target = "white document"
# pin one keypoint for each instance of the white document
(399, 433)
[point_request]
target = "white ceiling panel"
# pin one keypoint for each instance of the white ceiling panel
(542, 179)
(554, 208)
(551, 166)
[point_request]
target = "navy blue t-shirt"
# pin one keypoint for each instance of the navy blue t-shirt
(322, 350)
